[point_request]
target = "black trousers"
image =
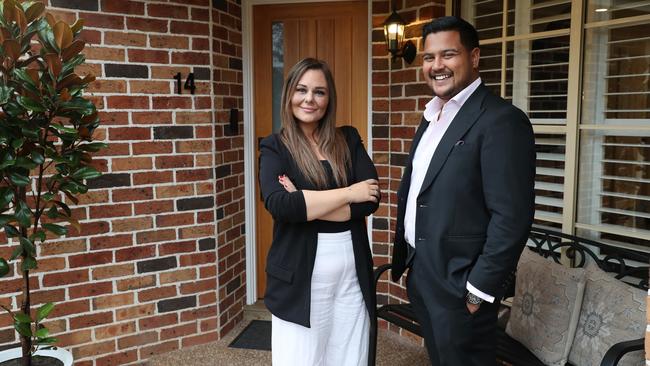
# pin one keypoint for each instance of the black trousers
(452, 335)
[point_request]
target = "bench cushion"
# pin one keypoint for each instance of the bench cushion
(546, 307)
(611, 312)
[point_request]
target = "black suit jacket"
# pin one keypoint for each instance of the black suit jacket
(476, 204)
(290, 261)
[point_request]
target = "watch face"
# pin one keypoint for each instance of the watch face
(473, 299)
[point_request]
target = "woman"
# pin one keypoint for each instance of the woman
(319, 184)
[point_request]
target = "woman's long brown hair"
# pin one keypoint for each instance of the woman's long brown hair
(331, 141)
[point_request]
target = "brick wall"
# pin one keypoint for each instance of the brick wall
(159, 262)
(398, 98)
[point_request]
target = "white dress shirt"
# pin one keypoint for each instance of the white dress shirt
(439, 115)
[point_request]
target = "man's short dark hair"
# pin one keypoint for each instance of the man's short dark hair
(468, 34)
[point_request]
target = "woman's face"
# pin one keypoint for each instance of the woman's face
(310, 98)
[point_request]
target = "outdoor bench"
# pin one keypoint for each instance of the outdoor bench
(623, 269)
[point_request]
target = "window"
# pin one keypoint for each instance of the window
(589, 103)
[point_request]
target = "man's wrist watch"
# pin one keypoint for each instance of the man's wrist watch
(473, 299)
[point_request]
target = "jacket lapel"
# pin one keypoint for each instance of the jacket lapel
(463, 121)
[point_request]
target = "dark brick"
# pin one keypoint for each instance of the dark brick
(159, 264)
(201, 73)
(110, 180)
(220, 214)
(379, 224)
(222, 171)
(379, 131)
(235, 63)
(176, 304)
(198, 203)
(378, 35)
(233, 285)
(207, 244)
(220, 4)
(76, 4)
(399, 159)
(380, 118)
(126, 71)
(173, 132)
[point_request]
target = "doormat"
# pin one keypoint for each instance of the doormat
(256, 335)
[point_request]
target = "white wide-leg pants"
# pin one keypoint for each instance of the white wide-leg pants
(339, 320)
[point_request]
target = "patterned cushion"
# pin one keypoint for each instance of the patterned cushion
(611, 312)
(546, 307)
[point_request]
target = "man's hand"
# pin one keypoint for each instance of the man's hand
(472, 308)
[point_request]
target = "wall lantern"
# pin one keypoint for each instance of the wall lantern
(394, 33)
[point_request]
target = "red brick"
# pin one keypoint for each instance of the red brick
(168, 11)
(73, 338)
(132, 194)
(157, 293)
(200, 44)
(198, 286)
(167, 42)
(197, 259)
(128, 102)
(155, 147)
(65, 278)
(125, 39)
(174, 220)
(123, 6)
(42, 297)
(158, 321)
(196, 28)
(159, 348)
(93, 349)
(174, 161)
(172, 103)
(156, 117)
(134, 253)
(149, 87)
(154, 207)
(148, 56)
(113, 118)
(86, 321)
(191, 58)
(137, 340)
(153, 178)
(178, 331)
(135, 312)
(200, 339)
(101, 20)
(90, 290)
(107, 86)
(104, 54)
(113, 301)
(131, 163)
(120, 358)
(177, 247)
(113, 271)
(193, 175)
(136, 283)
(181, 275)
(155, 236)
(147, 24)
(115, 210)
(90, 259)
(109, 242)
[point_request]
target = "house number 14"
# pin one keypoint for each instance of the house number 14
(189, 83)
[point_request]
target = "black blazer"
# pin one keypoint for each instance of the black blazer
(290, 261)
(477, 201)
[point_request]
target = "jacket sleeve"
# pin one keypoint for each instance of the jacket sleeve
(363, 169)
(282, 205)
(508, 178)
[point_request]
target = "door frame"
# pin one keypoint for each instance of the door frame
(250, 154)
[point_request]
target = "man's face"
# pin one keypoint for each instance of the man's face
(448, 67)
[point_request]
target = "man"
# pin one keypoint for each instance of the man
(466, 201)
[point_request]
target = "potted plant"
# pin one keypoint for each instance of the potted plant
(46, 138)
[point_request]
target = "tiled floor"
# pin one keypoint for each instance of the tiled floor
(392, 350)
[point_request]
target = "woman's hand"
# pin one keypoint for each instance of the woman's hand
(367, 190)
(287, 183)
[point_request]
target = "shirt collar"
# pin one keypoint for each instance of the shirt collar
(435, 105)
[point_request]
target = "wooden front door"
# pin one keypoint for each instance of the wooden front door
(336, 32)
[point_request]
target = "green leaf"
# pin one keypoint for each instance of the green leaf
(31, 104)
(29, 263)
(40, 235)
(5, 93)
(53, 213)
(56, 229)
(11, 231)
(37, 157)
(19, 179)
(63, 129)
(43, 312)
(22, 318)
(6, 195)
(23, 214)
(4, 267)
(42, 333)
(49, 340)
(93, 147)
(48, 196)
(86, 172)
(23, 329)
(28, 246)
(26, 163)
(5, 219)
(65, 207)
(17, 143)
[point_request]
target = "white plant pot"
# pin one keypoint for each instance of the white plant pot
(58, 353)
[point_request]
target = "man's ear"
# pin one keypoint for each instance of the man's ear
(475, 55)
